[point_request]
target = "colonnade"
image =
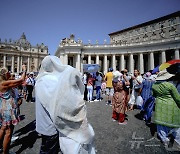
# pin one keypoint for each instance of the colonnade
(15, 63)
(130, 61)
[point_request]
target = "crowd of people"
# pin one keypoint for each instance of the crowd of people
(148, 92)
(61, 114)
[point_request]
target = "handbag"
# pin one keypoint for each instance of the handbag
(139, 101)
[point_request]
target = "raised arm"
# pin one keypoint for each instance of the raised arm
(105, 78)
(14, 83)
(127, 83)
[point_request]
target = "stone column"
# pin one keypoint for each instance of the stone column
(163, 57)
(89, 59)
(38, 63)
(35, 64)
(141, 63)
(18, 61)
(61, 58)
(28, 65)
(122, 62)
(21, 61)
(4, 61)
(65, 59)
(81, 63)
(151, 62)
(176, 54)
(97, 59)
(131, 63)
(78, 62)
(105, 64)
(12, 68)
(114, 62)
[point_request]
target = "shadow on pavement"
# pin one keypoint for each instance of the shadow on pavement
(139, 116)
(151, 126)
(22, 117)
(29, 137)
(26, 142)
(29, 127)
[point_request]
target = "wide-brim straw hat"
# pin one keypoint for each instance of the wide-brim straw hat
(164, 75)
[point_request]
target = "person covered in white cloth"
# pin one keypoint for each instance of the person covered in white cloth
(61, 110)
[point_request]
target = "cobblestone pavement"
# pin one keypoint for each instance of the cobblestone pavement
(110, 138)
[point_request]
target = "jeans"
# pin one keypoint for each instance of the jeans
(98, 92)
(164, 131)
(90, 93)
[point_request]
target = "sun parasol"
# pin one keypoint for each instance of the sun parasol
(169, 63)
(173, 69)
(165, 65)
(156, 69)
(91, 68)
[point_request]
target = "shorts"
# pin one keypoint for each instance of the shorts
(109, 91)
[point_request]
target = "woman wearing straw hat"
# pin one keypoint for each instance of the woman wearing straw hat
(167, 108)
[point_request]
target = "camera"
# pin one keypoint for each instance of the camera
(122, 72)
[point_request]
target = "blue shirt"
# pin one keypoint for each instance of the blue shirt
(98, 81)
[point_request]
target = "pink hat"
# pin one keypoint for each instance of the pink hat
(147, 75)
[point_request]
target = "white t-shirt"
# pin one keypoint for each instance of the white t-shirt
(84, 79)
(136, 84)
(30, 81)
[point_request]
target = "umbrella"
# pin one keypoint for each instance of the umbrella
(173, 69)
(91, 68)
(156, 69)
(169, 63)
(165, 65)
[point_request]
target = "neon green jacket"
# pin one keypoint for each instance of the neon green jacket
(167, 104)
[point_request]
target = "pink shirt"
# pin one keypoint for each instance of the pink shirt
(90, 81)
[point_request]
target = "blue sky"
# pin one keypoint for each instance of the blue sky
(49, 21)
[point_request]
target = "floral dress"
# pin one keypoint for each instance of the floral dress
(8, 108)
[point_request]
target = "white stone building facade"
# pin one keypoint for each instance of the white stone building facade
(13, 54)
(142, 47)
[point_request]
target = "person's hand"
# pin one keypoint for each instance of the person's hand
(24, 68)
(133, 77)
(124, 76)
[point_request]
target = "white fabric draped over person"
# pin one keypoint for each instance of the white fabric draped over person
(60, 90)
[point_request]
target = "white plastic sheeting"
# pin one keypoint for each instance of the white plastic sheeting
(60, 89)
